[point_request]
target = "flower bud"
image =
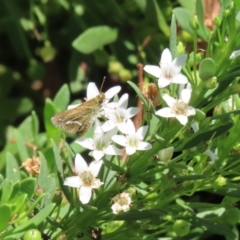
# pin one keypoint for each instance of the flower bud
(194, 23)
(114, 67)
(32, 234)
(181, 227)
(217, 21)
(221, 181)
(165, 154)
(125, 75)
(180, 48)
(211, 83)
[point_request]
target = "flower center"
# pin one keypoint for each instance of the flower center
(87, 178)
(132, 141)
(120, 116)
(180, 108)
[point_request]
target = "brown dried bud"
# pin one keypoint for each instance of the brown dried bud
(32, 165)
(150, 91)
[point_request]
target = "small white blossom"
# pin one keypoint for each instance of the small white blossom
(118, 113)
(178, 108)
(122, 202)
(92, 92)
(169, 70)
(86, 179)
(133, 139)
(235, 54)
(100, 144)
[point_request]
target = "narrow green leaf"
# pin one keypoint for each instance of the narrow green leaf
(19, 203)
(42, 177)
(145, 214)
(35, 221)
(49, 190)
(7, 189)
(22, 149)
(28, 186)
(12, 168)
(35, 126)
(162, 23)
(213, 227)
(203, 31)
(173, 37)
(57, 157)
(137, 90)
(62, 98)
(5, 213)
(49, 112)
(94, 38)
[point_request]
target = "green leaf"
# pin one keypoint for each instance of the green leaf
(12, 168)
(57, 157)
(49, 111)
(35, 126)
(42, 177)
(28, 186)
(49, 189)
(202, 31)
(19, 203)
(5, 213)
(173, 37)
(22, 149)
(213, 227)
(163, 26)
(207, 69)
(62, 98)
(231, 190)
(94, 38)
(35, 221)
(7, 189)
(145, 214)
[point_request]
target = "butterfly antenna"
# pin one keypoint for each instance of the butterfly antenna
(103, 81)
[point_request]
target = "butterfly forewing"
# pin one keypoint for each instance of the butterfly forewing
(79, 119)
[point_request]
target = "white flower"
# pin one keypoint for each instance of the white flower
(169, 70)
(122, 202)
(100, 144)
(235, 54)
(118, 114)
(133, 140)
(177, 108)
(86, 179)
(92, 92)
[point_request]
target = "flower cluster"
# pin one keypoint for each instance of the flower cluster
(117, 129)
(167, 73)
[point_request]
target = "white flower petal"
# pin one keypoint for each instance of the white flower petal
(191, 111)
(180, 79)
(123, 101)
(131, 127)
(144, 146)
(169, 100)
(74, 181)
(195, 127)
(108, 125)
(154, 70)
(122, 127)
(94, 167)
(110, 93)
(165, 112)
(235, 54)
(97, 155)
(141, 132)
(163, 82)
(112, 150)
(85, 194)
(166, 57)
(211, 154)
(130, 150)
(120, 139)
(80, 164)
(132, 111)
(182, 119)
(185, 95)
(180, 60)
(92, 90)
(86, 143)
